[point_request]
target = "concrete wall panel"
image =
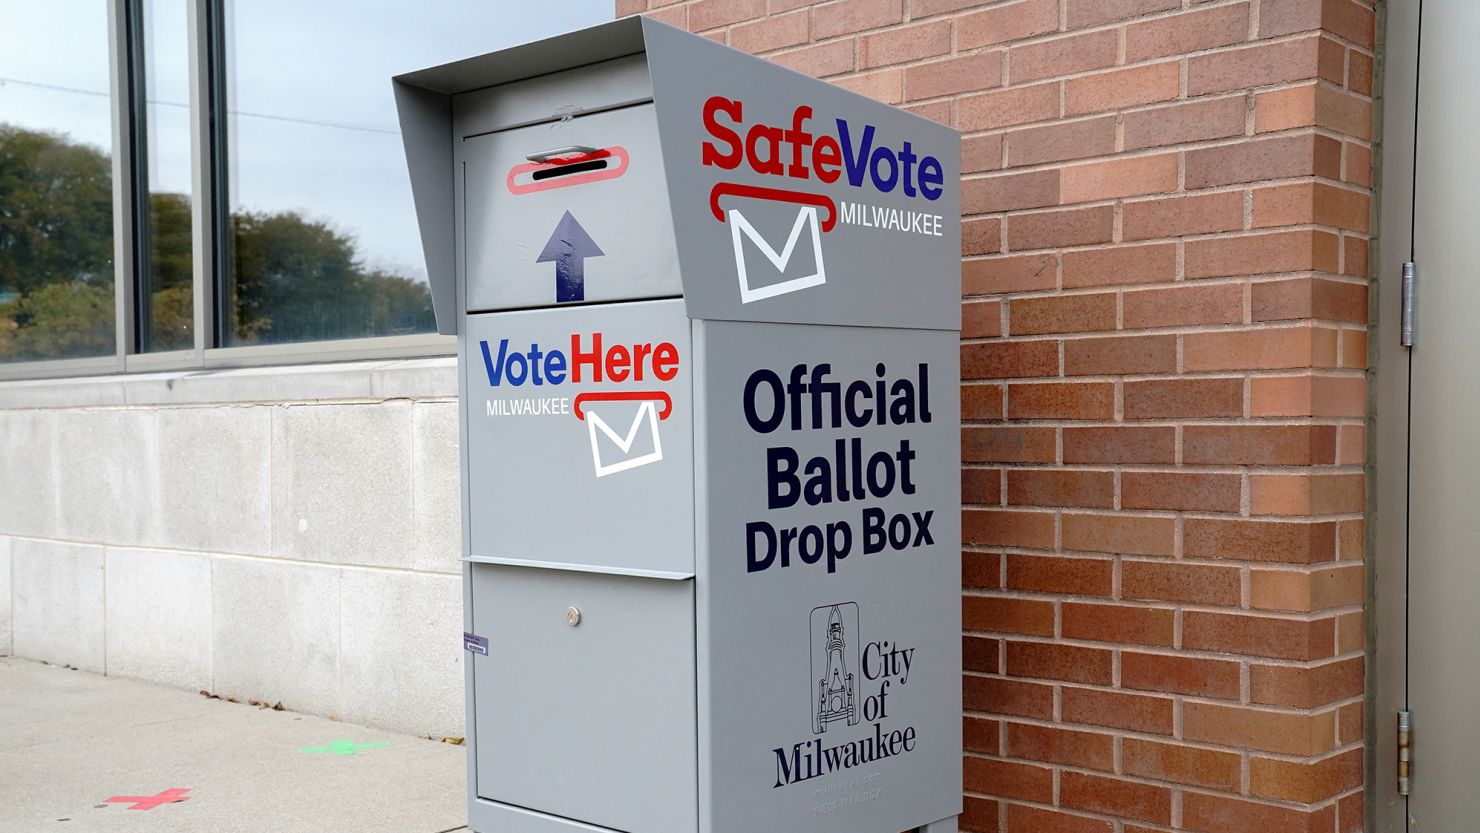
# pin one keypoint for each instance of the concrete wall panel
(159, 616)
(216, 479)
(28, 492)
(6, 646)
(436, 486)
(107, 476)
(57, 596)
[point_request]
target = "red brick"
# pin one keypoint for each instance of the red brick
(1193, 491)
(708, 14)
(1115, 444)
(1309, 298)
(967, 73)
(981, 402)
(1135, 712)
(1057, 574)
(1122, 88)
(1156, 262)
(978, 153)
(1224, 814)
(1024, 819)
(1168, 674)
(1306, 591)
(1180, 398)
(1060, 487)
(1120, 354)
(1004, 108)
(1062, 56)
(1068, 663)
(999, 695)
(1058, 142)
(980, 653)
(1003, 528)
(1256, 445)
(820, 61)
(909, 43)
(981, 569)
(1188, 32)
(1125, 534)
(1008, 22)
(1007, 444)
(1117, 623)
(1004, 615)
(1177, 216)
(1182, 764)
(1255, 254)
(1061, 400)
(1052, 745)
(1181, 306)
(1179, 582)
(1306, 688)
(979, 813)
(847, 16)
(1282, 157)
(1194, 121)
(1013, 273)
(1118, 178)
(981, 486)
(1341, 17)
(1252, 66)
(886, 85)
(1245, 539)
(1052, 229)
(1009, 192)
(999, 360)
(1305, 781)
(1081, 13)
(1112, 796)
(981, 735)
(981, 319)
(1060, 314)
(1306, 494)
(1265, 349)
(1009, 778)
(1260, 636)
(1260, 729)
(772, 32)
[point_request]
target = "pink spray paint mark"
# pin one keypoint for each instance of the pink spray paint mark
(149, 802)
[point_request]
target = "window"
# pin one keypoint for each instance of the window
(249, 155)
(56, 181)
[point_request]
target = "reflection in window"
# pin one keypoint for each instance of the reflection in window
(323, 241)
(56, 181)
(167, 312)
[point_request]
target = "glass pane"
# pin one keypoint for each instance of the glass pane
(167, 309)
(56, 181)
(324, 242)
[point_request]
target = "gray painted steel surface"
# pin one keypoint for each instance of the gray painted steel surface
(1443, 397)
(716, 558)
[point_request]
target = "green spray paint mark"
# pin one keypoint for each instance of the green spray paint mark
(342, 746)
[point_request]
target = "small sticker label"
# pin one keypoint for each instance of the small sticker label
(475, 643)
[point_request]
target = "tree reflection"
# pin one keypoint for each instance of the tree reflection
(294, 279)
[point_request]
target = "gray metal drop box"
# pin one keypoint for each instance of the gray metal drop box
(707, 313)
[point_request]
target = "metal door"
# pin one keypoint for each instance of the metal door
(1428, 419)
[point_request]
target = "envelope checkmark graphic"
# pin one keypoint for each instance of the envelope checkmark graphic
(741, 230)
(612, 451)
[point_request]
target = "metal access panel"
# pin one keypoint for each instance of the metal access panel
(586, 705)
(708, 319)
(595, 230)
(580, 451)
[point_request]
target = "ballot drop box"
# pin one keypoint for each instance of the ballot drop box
(707, 312)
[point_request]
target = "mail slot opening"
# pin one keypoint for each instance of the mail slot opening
(572, 168)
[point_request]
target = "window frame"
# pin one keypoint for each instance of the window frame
(209, 223)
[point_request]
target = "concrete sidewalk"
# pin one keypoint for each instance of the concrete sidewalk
(70, 741)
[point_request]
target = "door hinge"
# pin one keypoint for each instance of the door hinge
(1410, 275)
(1405, 751)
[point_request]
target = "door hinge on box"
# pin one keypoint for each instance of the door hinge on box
(1405, 751)
(1410, 275)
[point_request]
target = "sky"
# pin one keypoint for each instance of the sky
(312, 123)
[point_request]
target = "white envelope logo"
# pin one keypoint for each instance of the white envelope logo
(622, 459)
(806, 217)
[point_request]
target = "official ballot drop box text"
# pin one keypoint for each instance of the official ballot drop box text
(707, 313)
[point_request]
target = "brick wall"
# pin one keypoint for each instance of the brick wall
(1164, 345)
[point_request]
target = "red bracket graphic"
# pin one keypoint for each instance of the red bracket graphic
(734, 189)
(617, 153)
(625, 396)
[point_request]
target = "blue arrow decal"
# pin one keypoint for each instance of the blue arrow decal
(569, 246)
